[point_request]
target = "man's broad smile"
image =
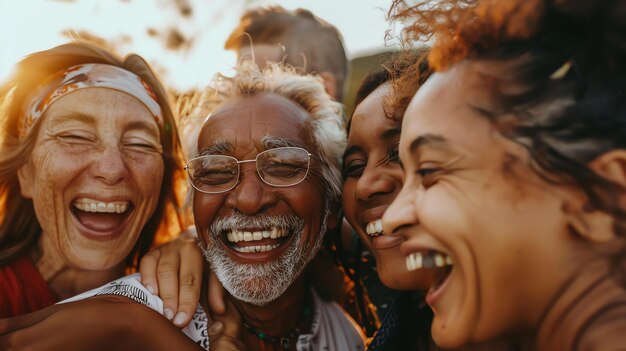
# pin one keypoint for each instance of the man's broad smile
(256, 239)
(252, 241)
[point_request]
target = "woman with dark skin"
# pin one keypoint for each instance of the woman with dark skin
(372, 179)
(518, 182)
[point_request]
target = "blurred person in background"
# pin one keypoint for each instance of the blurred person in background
(298, 38)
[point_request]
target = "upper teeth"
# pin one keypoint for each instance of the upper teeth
(236, 235)
(374, 228)
(89, 205)
(419, 260)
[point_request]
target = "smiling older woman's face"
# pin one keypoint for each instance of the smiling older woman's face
(94, 176)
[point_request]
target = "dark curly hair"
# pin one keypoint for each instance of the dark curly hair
(405, 72)
(569, 59)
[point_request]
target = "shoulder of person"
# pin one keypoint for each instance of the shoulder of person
(130, 287)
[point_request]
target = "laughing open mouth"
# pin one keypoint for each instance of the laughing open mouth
(439, 262)
(99, 216)
(251, 241)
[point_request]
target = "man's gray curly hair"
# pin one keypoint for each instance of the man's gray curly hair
(326, 123)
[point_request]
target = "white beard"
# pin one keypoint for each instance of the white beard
(261, 283)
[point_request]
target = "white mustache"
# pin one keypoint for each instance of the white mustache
(238, 222)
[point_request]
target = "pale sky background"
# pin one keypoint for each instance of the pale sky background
(27, 26)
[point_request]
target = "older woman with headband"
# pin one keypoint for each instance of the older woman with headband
(514, 158)
(88, 170)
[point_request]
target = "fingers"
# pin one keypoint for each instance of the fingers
(225, 331)
(231, 319)
(148, 269)
(226, 343)
(191, 267)
(162, 270)
(216, 295)
(167, 275)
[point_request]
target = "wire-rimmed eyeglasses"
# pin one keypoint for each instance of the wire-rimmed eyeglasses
(279, 167)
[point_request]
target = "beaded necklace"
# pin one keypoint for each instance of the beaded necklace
(283, 340)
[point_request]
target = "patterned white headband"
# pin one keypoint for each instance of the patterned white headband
(87, 76)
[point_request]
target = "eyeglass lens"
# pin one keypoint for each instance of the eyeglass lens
(277, 167)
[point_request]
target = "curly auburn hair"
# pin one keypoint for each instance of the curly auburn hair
(472, 28)
(567, 57)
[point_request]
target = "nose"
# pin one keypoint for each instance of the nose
(402, 211)
(374, 181)
(109, 166)
(251, 195)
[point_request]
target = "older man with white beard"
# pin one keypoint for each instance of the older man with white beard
(265, 178)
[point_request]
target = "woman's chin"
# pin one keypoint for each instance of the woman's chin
(101, 262)
(446, 337)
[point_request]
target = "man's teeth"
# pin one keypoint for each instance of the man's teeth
(419, 260)
(275, 233)
(255, 248)
(87, 205)
(374, 228)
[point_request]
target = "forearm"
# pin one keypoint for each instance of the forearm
(143, 328)
(100, 323)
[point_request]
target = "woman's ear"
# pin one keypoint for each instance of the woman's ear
(596, 225)
(26, 178)
(611, 166)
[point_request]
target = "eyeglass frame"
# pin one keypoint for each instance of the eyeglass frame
(308, 168)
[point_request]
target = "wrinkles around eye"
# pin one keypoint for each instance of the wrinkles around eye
(353, 169)
(140, 145)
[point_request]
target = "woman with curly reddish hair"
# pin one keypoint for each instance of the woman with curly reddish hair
(514, 158)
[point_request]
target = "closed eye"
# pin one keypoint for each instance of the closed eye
(74, 138)
(428, 176)
(354, 169)
(394, 153)
(423, 172)
(140, 144)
